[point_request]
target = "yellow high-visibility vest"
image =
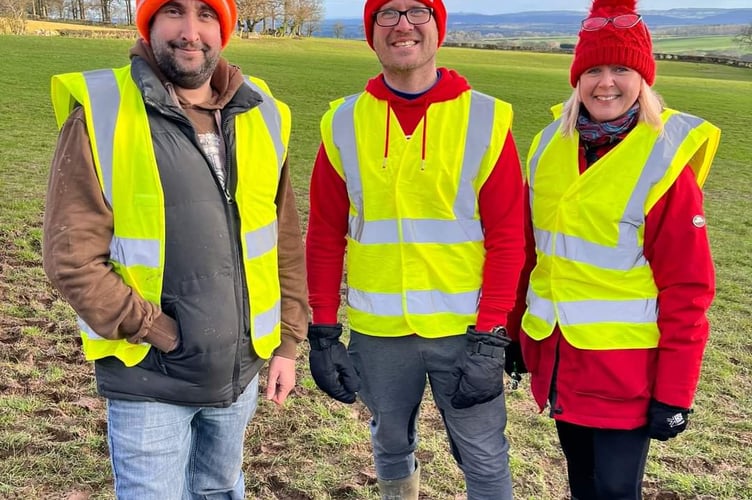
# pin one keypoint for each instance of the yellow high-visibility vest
(592, 277)
(415, 249)
(117, 122)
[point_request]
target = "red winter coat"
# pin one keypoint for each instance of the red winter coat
(612, 389)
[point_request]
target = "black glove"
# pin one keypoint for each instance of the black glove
(665, 422)
(514, 365)
(478, 376)
(330, 364)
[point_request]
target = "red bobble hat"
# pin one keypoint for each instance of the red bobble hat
(439, 15)
(630, 47)
(226, 11)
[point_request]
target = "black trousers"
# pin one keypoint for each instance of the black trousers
(604, 464)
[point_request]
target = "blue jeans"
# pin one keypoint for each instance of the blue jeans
(393, 375)
(168, 452)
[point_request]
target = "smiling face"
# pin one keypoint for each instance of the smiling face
(609, 91)
(407, 48)
(186, 39)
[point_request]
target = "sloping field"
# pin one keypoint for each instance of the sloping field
(680, 45)
(52, 426)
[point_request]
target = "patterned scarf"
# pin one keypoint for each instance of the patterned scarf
(600, 133)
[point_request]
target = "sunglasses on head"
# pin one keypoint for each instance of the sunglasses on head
(623, 21)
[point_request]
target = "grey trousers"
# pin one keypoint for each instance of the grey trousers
(393, 373)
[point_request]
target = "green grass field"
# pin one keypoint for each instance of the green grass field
(665, 44)
(695, 45)
(52, 427)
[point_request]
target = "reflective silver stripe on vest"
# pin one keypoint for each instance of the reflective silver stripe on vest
(621, 258)
(264, 239)
(418, 302)
(628, 253)
(264, 323)
(675, 132)
(478, 138)
(104, 95)
(415, 231)
(604, 311)
(89, 331)
(540, 307)
(548, 133)
(135, 252)
(273, 120)
(343, 133)
(583, 312)
(261, 240)
(463, 228)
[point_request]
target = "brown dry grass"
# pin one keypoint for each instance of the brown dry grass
(34, 26)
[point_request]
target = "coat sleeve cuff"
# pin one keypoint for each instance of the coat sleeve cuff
(288, 347)
(325, 315)
(163, 333)
(487, 321)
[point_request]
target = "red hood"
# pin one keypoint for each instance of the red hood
(448, 87)
(410, 111)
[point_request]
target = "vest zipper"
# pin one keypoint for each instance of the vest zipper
(233, 216)
(241, 295)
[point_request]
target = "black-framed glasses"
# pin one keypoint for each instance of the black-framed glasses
(391, 17)
(623, 21)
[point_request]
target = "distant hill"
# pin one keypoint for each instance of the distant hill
(556, 22)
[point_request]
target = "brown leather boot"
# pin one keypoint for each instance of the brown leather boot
(401, 489)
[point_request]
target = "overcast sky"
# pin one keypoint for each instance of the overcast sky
(354, 8)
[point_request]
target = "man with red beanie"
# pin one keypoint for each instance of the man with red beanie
(622, 277)
(171, 230)
(418, 178)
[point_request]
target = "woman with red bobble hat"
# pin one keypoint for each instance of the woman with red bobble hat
(622, 277)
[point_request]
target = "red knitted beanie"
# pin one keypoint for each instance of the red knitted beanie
(439, 15)
(226, 11)
(630, 47)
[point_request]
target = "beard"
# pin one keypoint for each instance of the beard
(187, 78)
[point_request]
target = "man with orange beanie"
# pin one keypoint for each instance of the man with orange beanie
(418, 179)
(171, 230)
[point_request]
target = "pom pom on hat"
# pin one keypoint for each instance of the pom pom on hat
(439, 15)
(609, 45)
(226, 10)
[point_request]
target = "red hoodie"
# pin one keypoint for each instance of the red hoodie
(500, 203)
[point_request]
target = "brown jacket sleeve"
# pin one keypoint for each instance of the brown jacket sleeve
(292, 272)
(78, 228)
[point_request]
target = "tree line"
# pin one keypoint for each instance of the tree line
(270, 17)
(276, 17)
(281, 17)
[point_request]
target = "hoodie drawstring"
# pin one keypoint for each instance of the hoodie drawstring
(388, 126)
(424, 137)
